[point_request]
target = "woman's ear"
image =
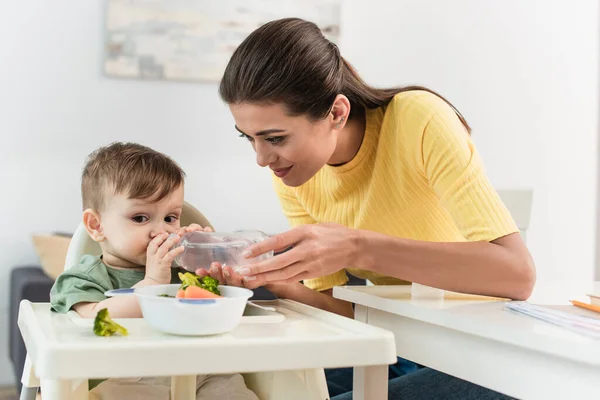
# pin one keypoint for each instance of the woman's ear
(91, 221)
(340, 111)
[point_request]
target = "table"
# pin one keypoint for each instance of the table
(476, 339)
(64, 355)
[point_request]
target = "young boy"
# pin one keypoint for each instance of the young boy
(132, 200)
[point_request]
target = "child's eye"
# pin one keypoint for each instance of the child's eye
(140, 219)
(170, 219)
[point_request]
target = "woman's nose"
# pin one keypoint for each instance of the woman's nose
(264, 157)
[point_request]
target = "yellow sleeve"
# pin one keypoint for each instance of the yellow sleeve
(455, 172)
(297, 215)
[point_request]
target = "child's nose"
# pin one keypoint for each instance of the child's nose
(161, 228)
(170, 229)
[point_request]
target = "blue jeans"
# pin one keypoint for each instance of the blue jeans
(411, 381)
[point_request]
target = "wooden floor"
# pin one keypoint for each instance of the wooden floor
(8, 393)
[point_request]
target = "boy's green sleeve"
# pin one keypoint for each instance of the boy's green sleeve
(78, 285)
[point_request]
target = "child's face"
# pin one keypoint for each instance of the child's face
(129, 225)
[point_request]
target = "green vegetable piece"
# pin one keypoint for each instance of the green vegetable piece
(210, 284)
(188, 279)
(206, 282)
(105, 326)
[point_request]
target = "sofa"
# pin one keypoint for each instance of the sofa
(28, 282)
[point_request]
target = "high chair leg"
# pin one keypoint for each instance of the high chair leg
(28, 379)
(57, 389)
(369, 383)
(80, 390)
(316, 383)
(183, 387)
(28, 393)
(30, 382)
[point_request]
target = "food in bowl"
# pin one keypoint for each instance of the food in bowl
(194, 287)
(192, 316)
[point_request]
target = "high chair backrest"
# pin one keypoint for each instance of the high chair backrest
(81, 243)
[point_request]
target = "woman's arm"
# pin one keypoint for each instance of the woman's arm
(293, 291)
(323, 300)
(502, 267)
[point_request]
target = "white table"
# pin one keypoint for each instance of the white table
(63, 355)
(476, 339)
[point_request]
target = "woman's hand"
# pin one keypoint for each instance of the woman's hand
(225, 275)
(318, 250)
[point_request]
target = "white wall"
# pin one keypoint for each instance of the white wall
(525, 75)
(57, 107)
(523, 72)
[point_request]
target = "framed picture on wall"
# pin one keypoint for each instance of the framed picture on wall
(192, 40)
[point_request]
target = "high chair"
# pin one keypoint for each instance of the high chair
(273, 385)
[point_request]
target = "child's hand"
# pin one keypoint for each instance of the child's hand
(159, 258)
(193, 228)
(226, 276)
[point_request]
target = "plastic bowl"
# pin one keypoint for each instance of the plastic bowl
(192, 317)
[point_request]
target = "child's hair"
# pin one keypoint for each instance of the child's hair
(131, 169)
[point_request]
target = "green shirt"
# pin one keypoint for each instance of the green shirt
(88, 280)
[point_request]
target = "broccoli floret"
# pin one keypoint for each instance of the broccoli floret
(188, 279)
(210, 284)
(105, 326)
(165, 295)
(206, 282)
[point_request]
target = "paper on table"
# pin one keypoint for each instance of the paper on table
(584, 325)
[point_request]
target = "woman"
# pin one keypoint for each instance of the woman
(382, 183)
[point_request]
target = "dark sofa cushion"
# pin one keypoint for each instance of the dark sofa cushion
(26, 283)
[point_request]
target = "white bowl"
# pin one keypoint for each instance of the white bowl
(192, 317)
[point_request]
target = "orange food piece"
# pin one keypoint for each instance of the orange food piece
(196, 292)
(180, 294)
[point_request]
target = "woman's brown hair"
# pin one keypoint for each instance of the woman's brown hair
(289, 61)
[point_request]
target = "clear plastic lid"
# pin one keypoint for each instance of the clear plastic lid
(204, 248)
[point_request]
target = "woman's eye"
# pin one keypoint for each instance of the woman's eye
(249, 138)
(170, 219)
(140, 219)
(275, 139)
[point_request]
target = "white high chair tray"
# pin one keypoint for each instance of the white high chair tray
(253, 314)
(306, 338)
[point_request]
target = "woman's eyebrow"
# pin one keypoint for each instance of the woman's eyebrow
(261, 133)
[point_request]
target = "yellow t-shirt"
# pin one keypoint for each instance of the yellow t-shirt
(417, 175)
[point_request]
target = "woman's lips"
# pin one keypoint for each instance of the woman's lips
(281, 172)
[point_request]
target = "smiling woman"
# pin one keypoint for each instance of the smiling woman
(294, 147)
(384, 184)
